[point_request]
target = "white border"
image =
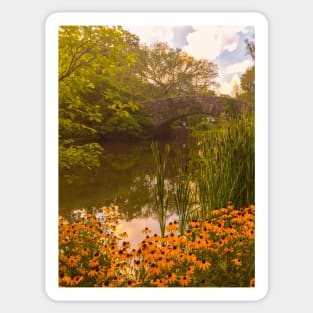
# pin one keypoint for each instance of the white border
(260, 25)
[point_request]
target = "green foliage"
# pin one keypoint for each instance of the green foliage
(229, 105)
(85, 54)
(225, 164)
(123, 125)
(169, 72)
(182, 192)
(104, 73)
(247, 80)
(74, 156)
(161, 191)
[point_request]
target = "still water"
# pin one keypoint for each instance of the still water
(126, 179)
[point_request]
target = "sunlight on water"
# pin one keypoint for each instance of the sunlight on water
(134, 228)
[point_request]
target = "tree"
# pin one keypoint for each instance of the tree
(172, 72)
(247, 80)
(87, 55)
(250, 48)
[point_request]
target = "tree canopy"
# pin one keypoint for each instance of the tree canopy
(172, 72)
(247, 80)
(105, 75)
(89, 59)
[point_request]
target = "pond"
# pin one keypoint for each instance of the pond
(124, 179)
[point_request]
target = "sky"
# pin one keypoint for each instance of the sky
(223, 45)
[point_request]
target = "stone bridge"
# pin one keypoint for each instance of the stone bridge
(163, 112)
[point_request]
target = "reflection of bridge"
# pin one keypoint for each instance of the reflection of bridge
(163, 112)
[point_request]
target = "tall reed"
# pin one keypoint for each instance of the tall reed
(160, 191)
(225, 164)
(182, 190)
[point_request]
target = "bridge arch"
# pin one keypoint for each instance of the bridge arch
(163, 112)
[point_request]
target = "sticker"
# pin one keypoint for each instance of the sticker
(156, 156)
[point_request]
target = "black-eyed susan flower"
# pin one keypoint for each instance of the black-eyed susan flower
(92, 273)
(73, 261)
(252, 283)
(77, 279)
(171, 278)
(236, 262)
(203, 264)
(154, 269)
(250, 234)
(136, 283)
(93, 262)
(184, 281)
(123, 235)
(146, 230)
(67, 280)
(168, 263)
(172, 226)
(84, 251)
(190, 270)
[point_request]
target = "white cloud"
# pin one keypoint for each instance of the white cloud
(210, 42)
(151, 34)
(204, 42)
(239, 67)
(228, 87)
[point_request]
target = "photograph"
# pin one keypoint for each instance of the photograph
(156, 183)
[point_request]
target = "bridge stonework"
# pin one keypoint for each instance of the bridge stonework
(163, 112)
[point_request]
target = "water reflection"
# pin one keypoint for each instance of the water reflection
(134, 228)
(125, 179)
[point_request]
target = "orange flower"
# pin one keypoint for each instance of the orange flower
(215, 212)
(171, 226)
(194, 224)
(67, 280)
(250, 234)
(184, 281)
(84, 252)
(77, 279)
(158, 282)
(93, 262)
(203, 264)
(134, 283)
(228, 250)
(146, 230)
(171, 278)
(92, 273)
(154, 269)
(237, 262)
(168, 263)
(73, 261)
(190, 270)
(123, 235)
(111, 271)
(252, 282)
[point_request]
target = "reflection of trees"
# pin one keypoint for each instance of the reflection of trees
(123, 179)
(123, 158)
